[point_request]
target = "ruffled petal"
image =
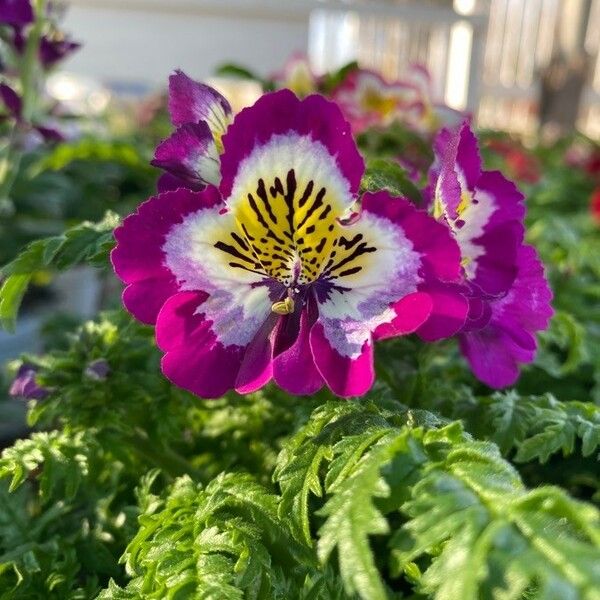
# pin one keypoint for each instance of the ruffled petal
(483, 210)
(410, 313)
(440, 254)
(491, 355)
(256, 369)
(195, 360)
(192, 102)
(169, 183)
(281, 133)
(346, 376)
(294, 369)
(495, 351)
(139, 259)
(448, 314)
(190, 155)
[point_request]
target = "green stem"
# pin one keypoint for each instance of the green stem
(28, 70)
(30, 63)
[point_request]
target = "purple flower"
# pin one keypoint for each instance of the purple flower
(25, 386)
(11, 100)
(367, 100)
(482, 208)
(509, 298)
(190, 156)
(98, 370)
(17, 13)
(54, 48)
(261, 279)
(495, 350)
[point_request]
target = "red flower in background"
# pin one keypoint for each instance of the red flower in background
(595, 205)
(521, 164)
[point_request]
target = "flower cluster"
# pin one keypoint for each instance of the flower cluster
(271, 275)
(509, 298)
(33, 44)
(259, 260)
(368, 100)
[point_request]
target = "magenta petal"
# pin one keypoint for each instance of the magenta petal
(411, 312)
(280, 113)
(440, 252)
(450, 308)
(468, 160)
(495, 351)
(256, 369)
(187, 155)
(345, 376)
(192, 102)
(195, 360)
(489, 354)
(508, 200)
(497, 267)
(138, 258)
(294, 369)
(169, 183)
(144, 299)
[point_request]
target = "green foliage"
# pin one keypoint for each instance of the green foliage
(86, 242)
(382, 174)
(224, 541)
(456, 515)
(90, 149)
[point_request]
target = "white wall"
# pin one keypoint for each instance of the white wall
(145, 43)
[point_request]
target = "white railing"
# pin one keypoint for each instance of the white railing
(495, 76)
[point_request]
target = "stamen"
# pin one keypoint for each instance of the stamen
(284, 307)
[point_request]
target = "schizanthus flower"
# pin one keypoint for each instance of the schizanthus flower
(25, 385)
(263, 278)
(367, 99)
(190, 156)
(504, 280)
(297, 75)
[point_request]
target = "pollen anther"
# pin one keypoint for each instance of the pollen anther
(284, 307)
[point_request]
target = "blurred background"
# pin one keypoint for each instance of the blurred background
(512, 63)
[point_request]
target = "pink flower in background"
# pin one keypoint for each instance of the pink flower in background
(261, 279)
(297, 75)
(595, 205)
(509, 298)
(368, 100)
(427, 114)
